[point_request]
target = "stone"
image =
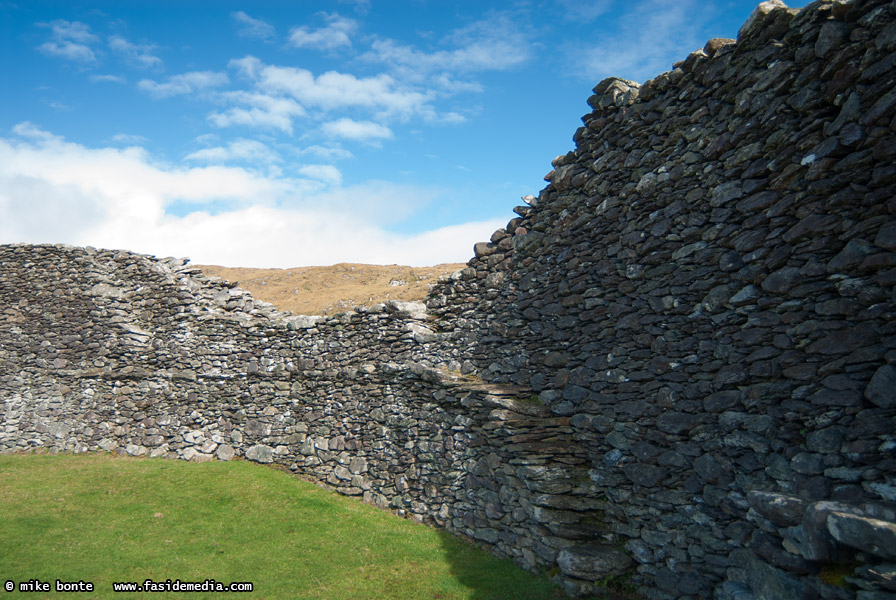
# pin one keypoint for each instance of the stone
(481, 249)
(645, 474)
(817, 542)
(782, 280)
(852, 255)
(870, 535)
(831, 36)
(827, 440)
(260, 453)
(881, 390)
(593, 562)
(780, 509)
(676, 423)
(224, 452)
(886, 237)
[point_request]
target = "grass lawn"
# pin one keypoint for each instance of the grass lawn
(102, 518)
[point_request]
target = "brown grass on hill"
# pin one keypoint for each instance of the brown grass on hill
(334, 289)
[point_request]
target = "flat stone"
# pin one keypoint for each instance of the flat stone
(593, 562)
(852, 255)
(870, 535)
(782, 280)
(817, 542)
(780, 509)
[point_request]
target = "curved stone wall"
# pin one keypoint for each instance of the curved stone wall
(677, 365)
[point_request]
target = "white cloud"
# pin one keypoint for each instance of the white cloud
(70, 40)
(647, 34)
(129, 138)
(253, 28)
(137, 54)
(264, 111)
(185, 83)
(364, 131)
(336, 34)
(361, 6)
(576, 10)
(241, 149)
(326, 173)
(333, 90)
(52, 190)
(333, 152)
(107, 79)
(495, 43)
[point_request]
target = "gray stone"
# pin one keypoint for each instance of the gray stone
(770, 583)
(817, 542)
(886, 237)
(645, 474)
(782, 280)
(881, 390)
(357, 465)
(260, 453)
(780, 509)
(224, 452)
(676, 423)
(852, 255)
(831, 37)
(827, 440)
(746, 295)
(807, 463)
(593, 562)
(870, 535)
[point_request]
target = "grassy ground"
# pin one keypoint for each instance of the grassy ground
(103, 519)
(334, 289)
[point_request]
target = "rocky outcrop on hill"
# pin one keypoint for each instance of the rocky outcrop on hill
(675, 368)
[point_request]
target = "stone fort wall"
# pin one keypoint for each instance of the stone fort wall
(678, 364)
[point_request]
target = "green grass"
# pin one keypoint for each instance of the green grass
(103, 518)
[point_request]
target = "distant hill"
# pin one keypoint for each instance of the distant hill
(333, 289)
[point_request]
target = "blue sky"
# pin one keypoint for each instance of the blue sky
(294, 133)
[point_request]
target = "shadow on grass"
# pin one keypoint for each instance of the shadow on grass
(491, 578)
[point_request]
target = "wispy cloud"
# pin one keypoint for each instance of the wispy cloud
(361, 6)
(333, 90)
(326, 173)
(495, 43)
(576, 10)
(129, 138)
(332, 152)
(647, 34)
(258, 110)
(363, 131)
(240, 149)
(253, 28)
(139, 55)
(71, 40)
(107, 79)
(336, 34)
(185, 83)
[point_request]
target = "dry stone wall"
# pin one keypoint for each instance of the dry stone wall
(706, 288)
(675, 367)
